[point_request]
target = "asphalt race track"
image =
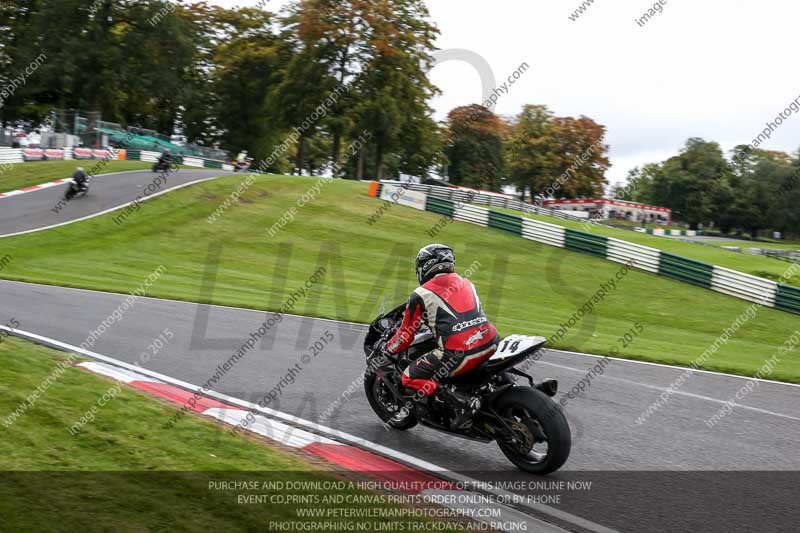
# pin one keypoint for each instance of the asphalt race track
(666, 474)
(35, 209)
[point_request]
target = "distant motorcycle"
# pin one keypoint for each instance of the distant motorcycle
(526, 423)
(162, 165)
(75, 189)
(239, 165)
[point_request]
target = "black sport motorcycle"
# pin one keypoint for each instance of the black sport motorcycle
(526, 423)
(162, 165)
(75, 189)
(242, 165)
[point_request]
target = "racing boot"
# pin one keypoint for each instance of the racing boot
(414, 404)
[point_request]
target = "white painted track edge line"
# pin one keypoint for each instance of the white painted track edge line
(554, 350)
(675, 367)
(678, 392)
(318, 428)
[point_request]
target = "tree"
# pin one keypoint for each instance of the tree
(246, 69)
(580, 157)
(127, 59)
(375, 55)
(393, 88)
(529, 151)
(756, 180)
(686, 183)
(639, 184)
(330, 31)
(474, 147)
(556, 156)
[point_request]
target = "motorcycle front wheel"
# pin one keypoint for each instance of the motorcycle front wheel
(384, 403)
(541, 436)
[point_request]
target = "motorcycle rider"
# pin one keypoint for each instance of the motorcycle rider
(242, 157)
(449, 306)
(80, 179)
(165, 159)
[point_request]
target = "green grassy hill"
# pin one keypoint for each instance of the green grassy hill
(526, 287)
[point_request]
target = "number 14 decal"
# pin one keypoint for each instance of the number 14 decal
(513, 348)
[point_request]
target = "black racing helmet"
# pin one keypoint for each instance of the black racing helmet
(434, 259)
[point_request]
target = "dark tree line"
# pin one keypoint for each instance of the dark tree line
(238, 78)
(750, 191)
(561, 157)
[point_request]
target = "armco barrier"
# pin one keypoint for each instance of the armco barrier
(642, 257)
(504, 221)
(744, 286)
(688, 270)
(671, 232)
(10, 155)
(788, 298)
(578, 241)
(152, 157)
(474, 197)
(543, 232)
(18, 155)
(719, 279)
(437, 205)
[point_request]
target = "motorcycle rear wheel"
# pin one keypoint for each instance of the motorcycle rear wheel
(536, 421)
(384, 403)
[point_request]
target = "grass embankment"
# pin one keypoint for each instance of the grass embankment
(751, 264)
(526, 287)
(124, 471)
(37, 172)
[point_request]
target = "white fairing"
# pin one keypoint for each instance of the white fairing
(514, 345)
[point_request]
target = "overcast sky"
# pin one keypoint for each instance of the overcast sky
(717, 69)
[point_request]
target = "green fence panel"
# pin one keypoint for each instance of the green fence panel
(578, 241)
(439, 205)
(688, 270)
(505, 222)
(133, 155)
(788, 298)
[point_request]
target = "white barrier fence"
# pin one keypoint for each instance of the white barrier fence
(10, 155)
(474, 197)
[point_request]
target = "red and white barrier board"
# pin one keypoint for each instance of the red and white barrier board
(53, 154)
(32, 154)
(81, 153)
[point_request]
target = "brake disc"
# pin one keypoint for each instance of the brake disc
(523, 438)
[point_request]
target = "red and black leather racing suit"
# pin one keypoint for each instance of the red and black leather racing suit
(448, 304)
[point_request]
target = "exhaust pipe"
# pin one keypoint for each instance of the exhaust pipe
(548, 386)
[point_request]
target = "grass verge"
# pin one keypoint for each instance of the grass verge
(124, 472)
(526, 287)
